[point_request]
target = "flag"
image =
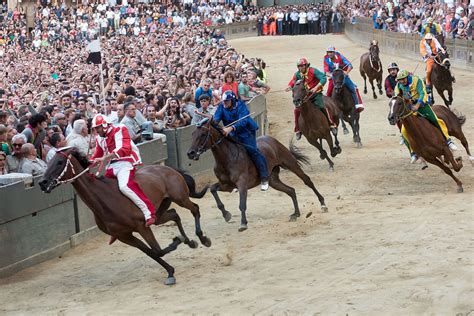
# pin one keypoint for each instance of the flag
(94, 53)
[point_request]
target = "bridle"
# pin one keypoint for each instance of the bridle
(58, 180)
(202, 147)
(406, 111)
(376, 59)
(338, 85)
(306, 97)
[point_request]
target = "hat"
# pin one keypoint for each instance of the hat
(392, 66)
(402, 74)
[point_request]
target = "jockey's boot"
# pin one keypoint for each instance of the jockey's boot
(413, 158)
(150, 221)
(264, 185)
(359, 105)
(298, 135)
(332, 125)
(451, 144)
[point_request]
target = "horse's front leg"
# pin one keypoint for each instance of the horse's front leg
(344, 127)
(441, 93)
(379, 84)
(243, 207)
(219, 187)
(373, 88)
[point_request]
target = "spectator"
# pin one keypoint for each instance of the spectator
(205, 89)
(244, 89)
(4, 147)
(14, 160)
(3, 163)
(230, 83)
(130, 121)
(151, 115)
(176, 116)
(206, 110)
(78, 138)
(57, 141)
(30, 163)
(35, 131)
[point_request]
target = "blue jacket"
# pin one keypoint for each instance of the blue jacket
(242, 129)
(200, 91)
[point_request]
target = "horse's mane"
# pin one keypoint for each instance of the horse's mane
(81, 158)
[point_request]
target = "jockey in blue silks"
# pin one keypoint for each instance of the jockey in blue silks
(231, 110)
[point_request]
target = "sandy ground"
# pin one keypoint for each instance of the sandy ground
(396, 239)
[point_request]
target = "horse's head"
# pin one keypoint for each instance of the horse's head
(398, 108)
(202, 138)
(374, 49)
(299, 93)
(61, 168)
(338, 77)
(444, 58)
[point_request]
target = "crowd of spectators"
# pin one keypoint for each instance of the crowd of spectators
(163, 67)
(455, 19)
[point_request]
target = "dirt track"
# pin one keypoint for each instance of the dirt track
(396, 239)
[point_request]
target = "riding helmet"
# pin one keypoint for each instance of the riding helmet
(100, 119)
(228, 96)
(393, 66)
(428, 36)
(402, 74)
(302, 61)
(331, 49)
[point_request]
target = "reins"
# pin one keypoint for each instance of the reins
(372, 65)
(69, 163)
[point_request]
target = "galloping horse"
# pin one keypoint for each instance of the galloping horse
(314, 124)
(371, 67)
(118, 216)
(234, 168)
(441, 78)
(425, 139)
(346, 104)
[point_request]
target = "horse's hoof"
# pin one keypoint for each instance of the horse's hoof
(359, 145)
(345, 131)
(243, 227)
(460, 189)
(227, 216)
(193, 244)
(206, 241)
(324, 209)
(293, 217)
(381, 92)
(331, 169)
(170, 281)
(365, 91)
(375, 96)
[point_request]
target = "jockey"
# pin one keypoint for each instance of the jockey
(391, 80)
(431, 27)
(114, 146)
(334, 60)
(231, 110)
(429, 47)
(314, 81)
(412, 88)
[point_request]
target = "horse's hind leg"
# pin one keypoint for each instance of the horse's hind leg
(276, 183)
(296, 169)
(214, 188)
(450, 96)
(379, 84)
(152, 253)
(172, 215)
(194, 208)
(334, 150)
(243, 206)
(448, 171)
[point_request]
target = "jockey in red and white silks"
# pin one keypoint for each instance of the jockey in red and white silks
(113, 144)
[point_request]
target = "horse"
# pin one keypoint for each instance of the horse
(235, 170)
(371, 67)
(441, 78)
(118, 216)
(454, 124)
(345, 102)
(314, 124)
(425, 139)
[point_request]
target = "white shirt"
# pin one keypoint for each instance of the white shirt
(302, 17)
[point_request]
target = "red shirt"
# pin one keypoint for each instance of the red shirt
(234, 87)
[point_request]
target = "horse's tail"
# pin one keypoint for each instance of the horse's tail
(298, 155)
(192, 186)
(461, 117)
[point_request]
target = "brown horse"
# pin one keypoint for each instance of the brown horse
(425, 139)
(118, 216)
(441, 78)
(371, 67)
(343, 97)
(454, 124)
(234, 168)
(313, 123)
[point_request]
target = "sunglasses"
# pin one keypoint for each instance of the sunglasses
(17, 145)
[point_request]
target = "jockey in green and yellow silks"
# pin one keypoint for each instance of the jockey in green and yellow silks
(412, 88)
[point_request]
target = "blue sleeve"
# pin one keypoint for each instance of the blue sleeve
(197, 94)
(345, 61)
(241, 111)
(218, 115)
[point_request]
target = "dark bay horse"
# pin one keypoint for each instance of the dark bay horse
(234, 168)
(313, 123)
(118, 216)
(425, 139)
(441, 78)
(454, 124)
(345, 102)
(371, 67)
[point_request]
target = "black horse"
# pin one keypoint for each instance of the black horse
(343, 96)
(441, 78)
